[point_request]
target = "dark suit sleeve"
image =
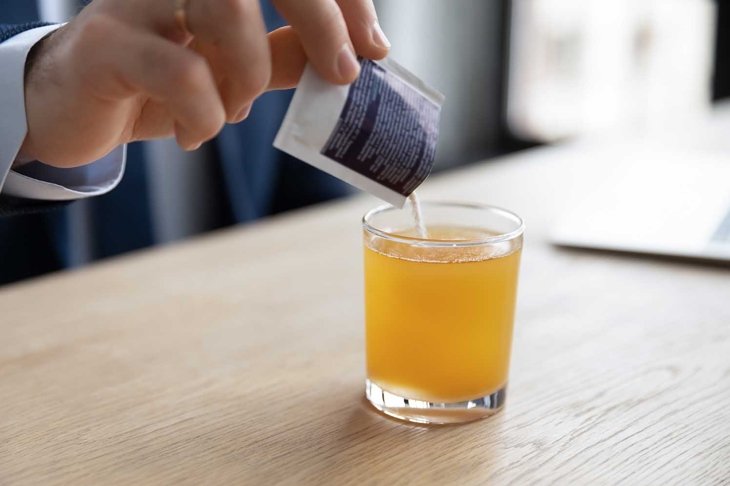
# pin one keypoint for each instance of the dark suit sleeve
(9, 205)
(9, 30)
(14, 206)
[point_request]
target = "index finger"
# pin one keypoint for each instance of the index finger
(231, 34)
(322, 29)
(362, 23)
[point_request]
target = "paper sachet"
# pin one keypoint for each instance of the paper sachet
(378, 134)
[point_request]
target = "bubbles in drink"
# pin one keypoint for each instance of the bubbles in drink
(439, 319)
(454, 245)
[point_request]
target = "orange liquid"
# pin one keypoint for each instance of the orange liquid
(439, 322)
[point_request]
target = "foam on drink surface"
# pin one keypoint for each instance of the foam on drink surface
(426, 252)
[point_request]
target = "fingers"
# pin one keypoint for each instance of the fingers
(231, 34)
(287, 58)
(169, 74)
(365, 32)
(323, 32)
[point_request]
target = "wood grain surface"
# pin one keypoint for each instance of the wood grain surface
(237, 358)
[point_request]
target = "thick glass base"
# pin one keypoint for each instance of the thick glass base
(424, 412)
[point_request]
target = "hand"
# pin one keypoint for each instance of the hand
(127, 70)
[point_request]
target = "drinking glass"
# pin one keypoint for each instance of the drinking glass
(439, 310)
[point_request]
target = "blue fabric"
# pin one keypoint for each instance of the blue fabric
(8, 30)
(120, 221)
(260, 180)
(18, 12)
(248, 160)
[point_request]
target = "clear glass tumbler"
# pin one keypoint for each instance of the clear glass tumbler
(439, 310)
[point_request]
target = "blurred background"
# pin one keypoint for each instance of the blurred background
(516, 74)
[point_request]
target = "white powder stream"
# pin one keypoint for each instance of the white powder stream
(417, 216)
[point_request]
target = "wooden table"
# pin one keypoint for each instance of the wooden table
(238, 358)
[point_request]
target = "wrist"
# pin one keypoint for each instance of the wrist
(33, 79)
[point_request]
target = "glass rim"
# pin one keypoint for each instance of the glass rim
(426, 242)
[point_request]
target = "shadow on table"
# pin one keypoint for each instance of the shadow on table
(371, 446)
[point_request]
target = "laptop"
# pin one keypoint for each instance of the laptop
(651, 199)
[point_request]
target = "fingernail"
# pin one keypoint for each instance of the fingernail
(379, 37)
(243, 114)
(347, 65)
(194, 146)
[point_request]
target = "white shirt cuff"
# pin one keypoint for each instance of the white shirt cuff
(35, 180)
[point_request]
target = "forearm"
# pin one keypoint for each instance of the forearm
(15, 46)
(23, 156)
